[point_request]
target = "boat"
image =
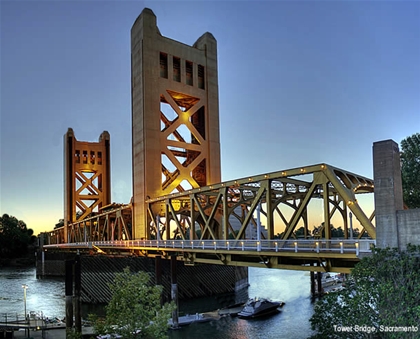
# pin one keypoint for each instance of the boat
(258, 307)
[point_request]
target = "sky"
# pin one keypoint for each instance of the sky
(300, 83)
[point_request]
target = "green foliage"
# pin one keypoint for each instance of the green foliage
(383, 290)
(134, 310)
(15, 237)
(410, 170)
(72, 334)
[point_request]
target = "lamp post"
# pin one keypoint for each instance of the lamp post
(25, 287)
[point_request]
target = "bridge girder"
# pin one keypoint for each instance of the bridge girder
(211, 212)
(213, 208)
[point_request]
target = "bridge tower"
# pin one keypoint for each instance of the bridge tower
(175, 116)
(87, 178)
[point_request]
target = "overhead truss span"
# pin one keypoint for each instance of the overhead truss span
(236, 209)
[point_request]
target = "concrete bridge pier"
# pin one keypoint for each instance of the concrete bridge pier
(69, 294)
(312, 283)
(395, 226)
(73, 297)
(174, 293)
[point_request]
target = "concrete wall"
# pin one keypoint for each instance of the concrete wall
(408, 227)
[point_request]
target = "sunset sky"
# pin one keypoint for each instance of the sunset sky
(300, 83)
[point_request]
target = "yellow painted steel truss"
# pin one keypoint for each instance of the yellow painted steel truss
(114, 222)
(227, 213)
(211, 212)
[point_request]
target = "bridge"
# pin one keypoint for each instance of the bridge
(222, 223)
(180, 207)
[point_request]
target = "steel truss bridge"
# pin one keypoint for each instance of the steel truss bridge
(222, 223)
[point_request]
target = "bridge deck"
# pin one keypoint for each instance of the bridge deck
(332, 255)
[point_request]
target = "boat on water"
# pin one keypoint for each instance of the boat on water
(258, 307)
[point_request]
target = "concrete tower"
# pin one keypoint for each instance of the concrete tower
(395, 226)
(388, 192)
(87, 178)
(175, 115)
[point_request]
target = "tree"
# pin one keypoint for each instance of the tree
(15, 237)
(410, 170)
(383, 290)
(134, 310)
(59, 224)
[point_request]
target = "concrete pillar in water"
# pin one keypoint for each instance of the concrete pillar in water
(69, 294)
(312, 282)
(319, 282)
(43, 263)
(77, 294)
(174, 292)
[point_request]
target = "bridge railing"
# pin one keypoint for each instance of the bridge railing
(318, 246)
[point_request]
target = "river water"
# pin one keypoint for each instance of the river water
(292, 287)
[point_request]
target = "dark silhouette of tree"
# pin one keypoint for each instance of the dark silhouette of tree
(59, 224)
(410, 170)
(15, 237)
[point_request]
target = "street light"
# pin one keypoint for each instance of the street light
(25, 287)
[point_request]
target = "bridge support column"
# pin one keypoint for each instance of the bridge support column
(174, 293)
(69, 294)
(312, 282)
(73, 274)
(319, 282)
(77, 294)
